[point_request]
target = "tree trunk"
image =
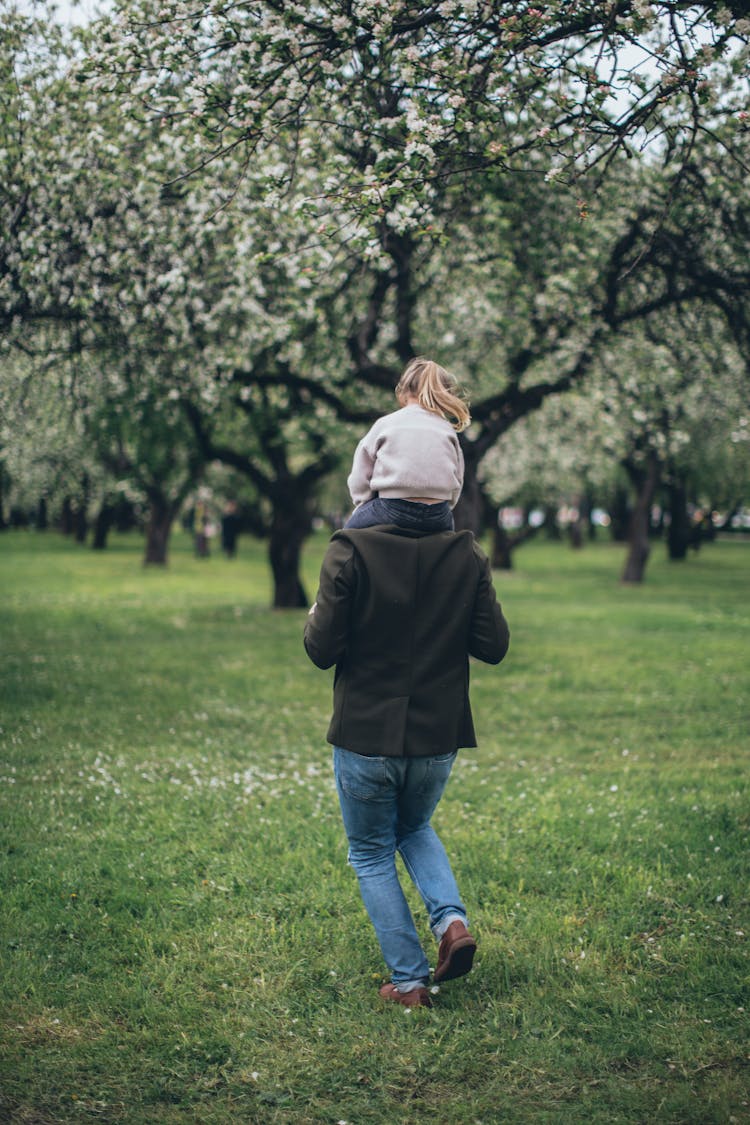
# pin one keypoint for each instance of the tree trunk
(104, 520)
(469, 512)
(290, 526)
(639, 548)
(158, 527)
(706, 529)
(3, 522)
(502, 549)
(618, 512)
(580, 526)
(550, 525)
(66, 516)
(575, 534)
(81, 524)
(81, 516)
(726, 523)
(124, 515)
(679, 535)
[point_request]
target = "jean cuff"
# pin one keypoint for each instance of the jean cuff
(439, 929)
(410, 985)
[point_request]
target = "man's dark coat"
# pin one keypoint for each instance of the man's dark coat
(399, 613)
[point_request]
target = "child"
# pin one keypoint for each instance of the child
(409, 469)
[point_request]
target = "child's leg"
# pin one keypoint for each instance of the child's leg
(369, 514)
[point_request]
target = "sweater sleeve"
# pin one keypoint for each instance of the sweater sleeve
(460, 468)
(489, 635)
(327, 626)
(362, 465)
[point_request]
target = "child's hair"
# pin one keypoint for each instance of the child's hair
(435, 389)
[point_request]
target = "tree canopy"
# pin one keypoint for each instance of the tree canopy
(229, 227)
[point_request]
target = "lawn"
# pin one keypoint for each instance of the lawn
(181, 939)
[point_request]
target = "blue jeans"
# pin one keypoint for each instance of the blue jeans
(404, 513)
(386, 804)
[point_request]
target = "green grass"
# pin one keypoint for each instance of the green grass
(181, 939)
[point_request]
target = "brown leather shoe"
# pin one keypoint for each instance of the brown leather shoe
(417, 998)
(456, 953)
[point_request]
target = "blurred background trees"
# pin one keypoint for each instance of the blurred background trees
(224, 231)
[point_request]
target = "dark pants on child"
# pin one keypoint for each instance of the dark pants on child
(403, 513)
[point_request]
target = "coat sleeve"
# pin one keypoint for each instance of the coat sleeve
(327, 626)
(489, 635)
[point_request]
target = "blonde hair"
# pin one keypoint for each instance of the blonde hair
(435, 389)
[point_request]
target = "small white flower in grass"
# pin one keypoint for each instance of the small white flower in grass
(613, 788)
(407, 1011)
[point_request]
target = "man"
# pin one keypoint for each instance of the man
(399, 612)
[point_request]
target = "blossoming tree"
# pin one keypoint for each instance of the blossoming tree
(318, 194)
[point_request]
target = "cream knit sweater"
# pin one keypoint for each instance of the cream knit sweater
(409, 453)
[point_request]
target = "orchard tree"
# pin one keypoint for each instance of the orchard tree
(688, 251)
(49, 466)
(34, 54)
(703, 239)
(666, 405)
(183, 310)
(517, 296)
(708, 470)
(672, 397)
(127, 274)
(284, 413)
(531, 289)
(412, 98)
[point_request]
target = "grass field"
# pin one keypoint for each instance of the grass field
(181, 939)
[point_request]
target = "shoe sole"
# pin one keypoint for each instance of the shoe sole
(460, 961)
